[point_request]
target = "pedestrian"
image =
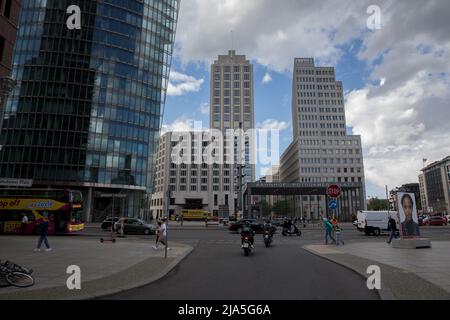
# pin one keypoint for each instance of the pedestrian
(24, 222)
(338, 232)
(392, 227)
(158, 235)
(163, 239)
(43, 232)
(328, 231)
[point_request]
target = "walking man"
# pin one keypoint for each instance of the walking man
(163, 235)
(43, 232)
(24, 222)
(328, 231)
(392, 226)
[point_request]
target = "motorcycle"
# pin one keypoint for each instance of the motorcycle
(289, 232)
(267, 238)
(246, 244)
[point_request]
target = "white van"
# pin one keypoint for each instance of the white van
(374, 222)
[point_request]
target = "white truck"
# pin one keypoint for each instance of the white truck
(374, 222)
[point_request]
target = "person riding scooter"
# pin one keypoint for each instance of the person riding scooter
(268, 226)
(247, 231)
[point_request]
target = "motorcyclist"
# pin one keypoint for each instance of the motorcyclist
(247, 231)
(268, 226)
(286, 224)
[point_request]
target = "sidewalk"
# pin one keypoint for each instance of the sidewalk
(405, 274)
(106, 268)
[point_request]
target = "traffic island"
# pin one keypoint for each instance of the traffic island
(405, 274)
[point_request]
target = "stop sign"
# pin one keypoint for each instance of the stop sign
(334, 191)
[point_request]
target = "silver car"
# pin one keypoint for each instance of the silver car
(134, 226)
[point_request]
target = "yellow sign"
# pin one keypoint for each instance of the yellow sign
(194, 214)
(30, 204)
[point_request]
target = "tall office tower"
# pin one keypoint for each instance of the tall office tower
(437, 185)
(86, 113)
(9, 21)
(423, 193)
(232, 107)
(322, 152)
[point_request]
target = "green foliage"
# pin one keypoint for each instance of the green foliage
(375, 204)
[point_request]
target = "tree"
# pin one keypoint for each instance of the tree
(375, 204)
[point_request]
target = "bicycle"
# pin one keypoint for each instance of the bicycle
(12, 274)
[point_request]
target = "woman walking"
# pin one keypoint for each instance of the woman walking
(158, 235)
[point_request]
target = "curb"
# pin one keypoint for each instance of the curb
(399, 283)
(384, 294)
(148, 281)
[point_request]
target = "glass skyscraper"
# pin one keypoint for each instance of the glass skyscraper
(86, 112)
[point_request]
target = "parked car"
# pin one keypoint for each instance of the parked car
(106, 224)
(423, 219)
(436, 221)
(135, 226)
(237, 226)
(278, 222)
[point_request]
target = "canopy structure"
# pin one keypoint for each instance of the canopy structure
(351, 200)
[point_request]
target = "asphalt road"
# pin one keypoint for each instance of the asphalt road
(217, 269)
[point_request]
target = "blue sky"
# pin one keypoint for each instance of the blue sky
(272, 99)
(395, 77)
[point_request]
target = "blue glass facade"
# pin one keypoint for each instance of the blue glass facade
(88, 105)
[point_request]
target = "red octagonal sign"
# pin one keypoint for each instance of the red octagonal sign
(334, 191)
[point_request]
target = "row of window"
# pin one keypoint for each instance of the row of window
(236, 85)
(330, 160)
(331, 179)
(329, 142)
(316, 72)
(330, 170)
(320, 102)
(227, 69)
(309, 125)
(329, 151)
(323, 133)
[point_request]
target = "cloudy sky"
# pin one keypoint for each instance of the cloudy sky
(396, 78)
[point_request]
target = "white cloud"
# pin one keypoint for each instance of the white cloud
(301, 27)
(402, 119)
(272, 124)
(183, 124)
(267, 78)
(204, 109)
(180, 84)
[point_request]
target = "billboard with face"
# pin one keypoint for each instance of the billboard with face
(409, 222)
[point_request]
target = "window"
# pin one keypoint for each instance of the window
(2, 47)
(7, 11)
(215, 200)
